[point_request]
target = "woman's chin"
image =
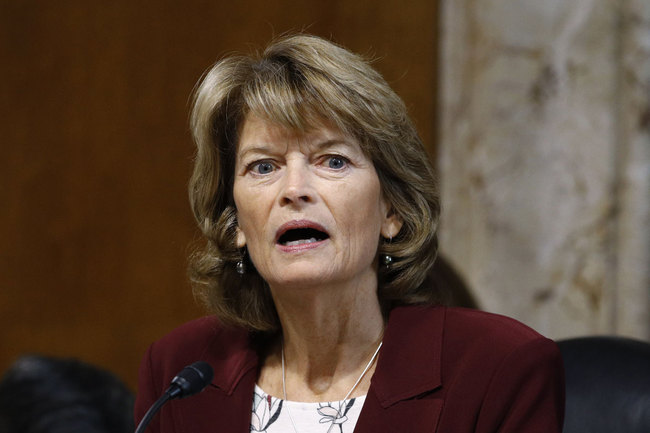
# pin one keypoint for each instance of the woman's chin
(302, 279)
(304, 274)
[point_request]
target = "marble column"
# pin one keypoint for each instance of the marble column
(545, 160)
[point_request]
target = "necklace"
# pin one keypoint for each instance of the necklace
(363, 373)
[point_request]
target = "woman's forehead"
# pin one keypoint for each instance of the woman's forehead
(258, 132)
(291, 117)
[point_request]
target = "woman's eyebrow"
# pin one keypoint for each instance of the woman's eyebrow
(318, 145)
(334, 142)
(254, 150)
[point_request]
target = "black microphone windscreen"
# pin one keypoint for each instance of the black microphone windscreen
(191, 379)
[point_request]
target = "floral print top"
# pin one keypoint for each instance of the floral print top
(273, 415)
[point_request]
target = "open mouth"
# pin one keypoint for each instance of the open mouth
(301, 236)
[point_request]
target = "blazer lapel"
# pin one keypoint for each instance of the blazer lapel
(229, 398)
(401, 397)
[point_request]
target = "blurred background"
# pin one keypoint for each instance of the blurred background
(536, 113)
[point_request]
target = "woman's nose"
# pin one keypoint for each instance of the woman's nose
(297, 188)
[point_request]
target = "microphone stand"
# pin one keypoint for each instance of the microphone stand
(152, 411)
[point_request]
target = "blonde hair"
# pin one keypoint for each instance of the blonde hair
(297, 82)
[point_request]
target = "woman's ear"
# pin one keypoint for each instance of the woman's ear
(391, 225)
(240, 241)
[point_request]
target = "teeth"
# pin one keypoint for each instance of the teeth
(300, 242)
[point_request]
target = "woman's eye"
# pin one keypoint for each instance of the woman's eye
(263, 167)
(336, 162)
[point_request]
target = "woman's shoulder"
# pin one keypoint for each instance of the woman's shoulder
(477, 330)
(482, 324)
(476, 344)
(193, 332)
(201, 339)
(486, 367)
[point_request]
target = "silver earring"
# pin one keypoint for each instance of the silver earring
(240, 267)
(387, 259)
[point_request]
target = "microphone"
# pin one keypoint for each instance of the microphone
(189, 381)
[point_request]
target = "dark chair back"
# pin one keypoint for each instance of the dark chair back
(607, 385)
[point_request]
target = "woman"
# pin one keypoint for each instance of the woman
(320, 210)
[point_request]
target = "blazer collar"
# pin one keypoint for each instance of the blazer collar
(410, 360)
(408, 364)
(232, 356)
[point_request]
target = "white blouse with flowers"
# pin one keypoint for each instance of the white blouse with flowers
(273, 415)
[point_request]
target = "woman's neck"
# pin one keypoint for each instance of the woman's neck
(328, 337)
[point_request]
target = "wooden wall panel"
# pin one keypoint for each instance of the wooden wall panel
(95, 153)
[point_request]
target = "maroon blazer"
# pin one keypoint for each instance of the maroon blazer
(440, 370)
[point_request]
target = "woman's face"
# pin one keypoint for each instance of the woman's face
(309, 206)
